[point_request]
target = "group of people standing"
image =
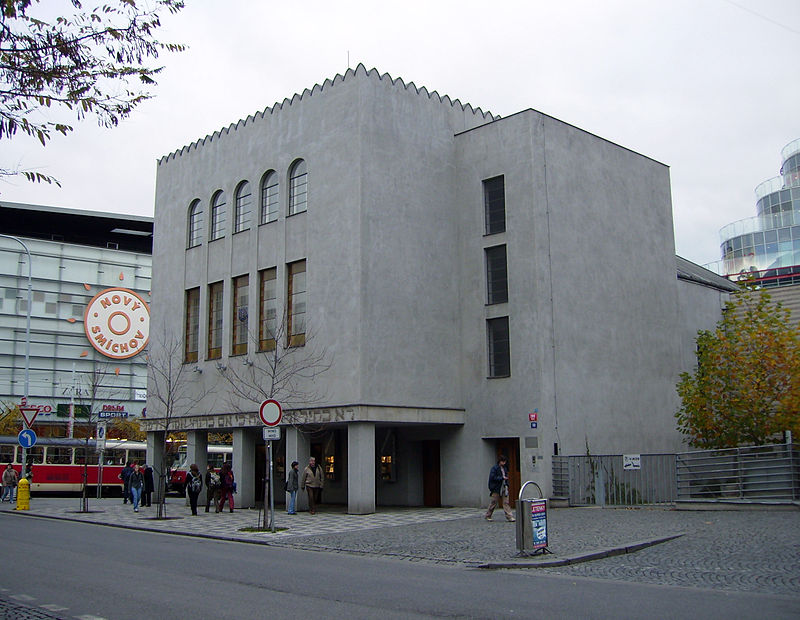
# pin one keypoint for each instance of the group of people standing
(137, 485)
(220, 487)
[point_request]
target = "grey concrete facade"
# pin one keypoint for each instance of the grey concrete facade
(396, 278)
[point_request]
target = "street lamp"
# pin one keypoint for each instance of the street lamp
(27, 338)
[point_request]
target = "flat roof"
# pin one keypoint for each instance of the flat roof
(132, 233)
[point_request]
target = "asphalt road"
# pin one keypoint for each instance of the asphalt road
(75, 570)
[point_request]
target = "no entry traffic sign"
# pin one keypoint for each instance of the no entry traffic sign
(270, 412)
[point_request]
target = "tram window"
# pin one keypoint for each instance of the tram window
(216, 459)
(114, 457)
(91, 456)
(7, 454)
(35, 455)
(137, 456)
(59, 455)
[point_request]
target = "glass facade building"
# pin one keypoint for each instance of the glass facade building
(89, 313)
(768, 245)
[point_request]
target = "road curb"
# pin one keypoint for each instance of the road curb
(582, 557)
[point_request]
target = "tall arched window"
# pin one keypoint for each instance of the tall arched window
(269, 197)
(241, 219)
(195, 236)
(298, 187)
(217, 216)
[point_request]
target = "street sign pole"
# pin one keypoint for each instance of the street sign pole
(270, 413)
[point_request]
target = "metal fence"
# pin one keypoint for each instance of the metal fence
(602, 480)
(751, 473)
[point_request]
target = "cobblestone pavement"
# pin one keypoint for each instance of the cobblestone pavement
(738, 550)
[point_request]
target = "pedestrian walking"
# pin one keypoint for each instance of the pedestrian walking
(9, 483)
(194, 484)
(227, 487)
(312, 482)
(292, 484)
(498, 489)
(212, 487)
(149, 486)
(136, 484)
(125, 476)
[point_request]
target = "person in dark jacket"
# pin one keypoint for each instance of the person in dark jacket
(149, 486)
(136, 484)
(498, 488)
(227, 487)
(125, 476)
(194, 484)
(292, 484)
(212, 487)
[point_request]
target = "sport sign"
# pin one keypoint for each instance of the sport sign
(270, 412)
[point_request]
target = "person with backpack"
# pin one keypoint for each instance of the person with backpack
(194, 484)
(212, 487)
(227, 487)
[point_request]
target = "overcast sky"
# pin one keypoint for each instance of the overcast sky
(709, 87)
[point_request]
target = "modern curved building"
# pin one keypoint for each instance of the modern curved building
(768, 245)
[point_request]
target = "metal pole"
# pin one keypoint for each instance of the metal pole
(271, 493)
(27, 340)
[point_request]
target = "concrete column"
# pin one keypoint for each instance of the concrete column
(244, 458)
(361, 468)
(155, 456)
(197, 452)
(298, 448)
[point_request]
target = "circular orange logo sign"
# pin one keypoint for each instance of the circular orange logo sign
(117, 323)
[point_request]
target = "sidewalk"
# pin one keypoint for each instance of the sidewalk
(736, 550)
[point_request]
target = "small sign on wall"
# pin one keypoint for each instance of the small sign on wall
(631, 462)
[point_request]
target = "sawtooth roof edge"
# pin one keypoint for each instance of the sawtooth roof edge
(318, 88)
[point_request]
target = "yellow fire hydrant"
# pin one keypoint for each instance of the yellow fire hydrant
(23, 495)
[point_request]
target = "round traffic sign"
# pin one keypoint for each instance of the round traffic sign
(270, 412)
(27, 438)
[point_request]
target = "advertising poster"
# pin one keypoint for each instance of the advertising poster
(539, 523)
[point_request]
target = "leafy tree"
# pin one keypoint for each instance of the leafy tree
(124, 428)
(85, 61)
(746, 387)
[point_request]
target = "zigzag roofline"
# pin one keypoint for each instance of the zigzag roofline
(318, 88)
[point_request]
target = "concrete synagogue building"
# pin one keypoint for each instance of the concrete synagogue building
(441, 285)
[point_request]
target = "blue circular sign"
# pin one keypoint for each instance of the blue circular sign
(27, 438)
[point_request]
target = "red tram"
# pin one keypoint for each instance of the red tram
(58, 463)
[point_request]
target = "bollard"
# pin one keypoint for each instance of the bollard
(23, 495)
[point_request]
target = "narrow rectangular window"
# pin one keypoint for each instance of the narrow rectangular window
(499, 347)
(494, 204)
(239, 331)
(296, 304)
(496, 275)
(215, 321)
(268, 310)
(192, 325)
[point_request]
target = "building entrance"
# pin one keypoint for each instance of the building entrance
(510, 447)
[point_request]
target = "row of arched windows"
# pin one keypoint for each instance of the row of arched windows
(243, 201)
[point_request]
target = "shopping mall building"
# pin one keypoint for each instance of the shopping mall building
(421, 284)
(82, 352)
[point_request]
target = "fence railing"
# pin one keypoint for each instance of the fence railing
(602, 480)
(750, 473)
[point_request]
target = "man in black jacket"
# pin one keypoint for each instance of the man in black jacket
(498, 487)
